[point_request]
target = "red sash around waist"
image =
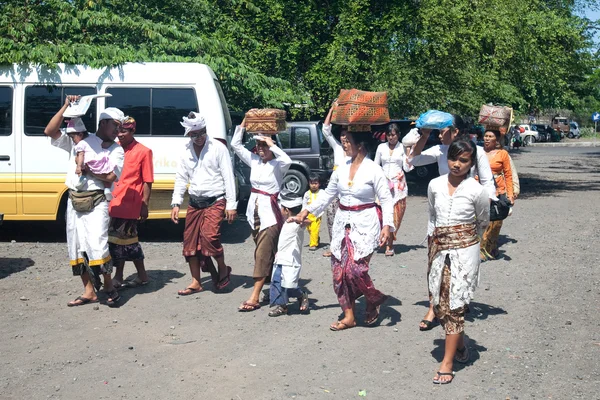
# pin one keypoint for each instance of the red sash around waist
(274, 205)
(361, 207)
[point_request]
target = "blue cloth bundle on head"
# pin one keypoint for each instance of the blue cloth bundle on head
(434, 119)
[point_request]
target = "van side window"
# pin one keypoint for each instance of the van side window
(301, 138)
(157, 111)
(168, 106)
(6, 102)
(42, 102)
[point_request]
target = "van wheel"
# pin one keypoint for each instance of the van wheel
(295, 182)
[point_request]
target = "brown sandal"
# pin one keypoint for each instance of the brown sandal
(247, 307)
(189, 291)
(344, 326)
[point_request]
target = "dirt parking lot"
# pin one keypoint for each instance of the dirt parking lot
(534, 325)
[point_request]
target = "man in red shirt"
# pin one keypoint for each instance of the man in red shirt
(130, 203)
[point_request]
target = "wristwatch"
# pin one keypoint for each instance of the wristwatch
(175, 205)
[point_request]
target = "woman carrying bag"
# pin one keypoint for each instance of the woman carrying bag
(500, 165)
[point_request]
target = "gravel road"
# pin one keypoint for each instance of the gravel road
(533, 328)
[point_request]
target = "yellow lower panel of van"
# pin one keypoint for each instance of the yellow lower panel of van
(39, 196)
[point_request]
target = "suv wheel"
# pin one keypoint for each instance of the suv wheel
(422, 172)
(528, 140)
(570, 135)
(295, 182)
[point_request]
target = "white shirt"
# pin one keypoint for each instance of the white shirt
(439, 154)
(369, 182)
(310, 197)
(209, 175)
(264, 176)
(469, 204)
(339, 155)
(289, 247)
(115, 154)
(393, 166)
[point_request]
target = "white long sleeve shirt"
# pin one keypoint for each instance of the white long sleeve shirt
(393, 166)
(339, 155)
(469, 204)
(264, 176)
(210, 174)
(439, 154)
(115, 153)
(369, 182)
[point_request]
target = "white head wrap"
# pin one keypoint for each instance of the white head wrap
(112, 113)
(75, 125)
(290, 202)
(193, 124)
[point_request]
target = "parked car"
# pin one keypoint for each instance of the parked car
(530, 136)
(574, 130)
(544, 131)
(309, 151)
(561, 124)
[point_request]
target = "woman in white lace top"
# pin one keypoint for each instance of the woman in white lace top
(357, 230)
(458, 214)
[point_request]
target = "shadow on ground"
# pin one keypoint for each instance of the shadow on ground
(9, 266)
(474, 351)
(158, 280)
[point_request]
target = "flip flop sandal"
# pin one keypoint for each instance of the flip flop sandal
(439, 374)
(389, 253)
(429, 325)
(373, 320)
(278, 311)
(344, 326)
(304, 303)
(462, 356)
(113, 298)
(191, 291)
(327, 254)
(82, 302)
(247, 307)
(223, 283)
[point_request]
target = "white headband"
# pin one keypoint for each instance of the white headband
(290, 203)
(193, 124)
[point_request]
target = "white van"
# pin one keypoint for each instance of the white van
(157, 95)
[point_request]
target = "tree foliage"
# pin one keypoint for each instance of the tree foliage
(449, 54)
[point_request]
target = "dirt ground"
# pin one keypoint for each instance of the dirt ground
(533, 328)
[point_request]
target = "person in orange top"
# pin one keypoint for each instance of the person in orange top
(500, 165)
(130, 204)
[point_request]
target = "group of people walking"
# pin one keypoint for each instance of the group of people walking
(364, 204)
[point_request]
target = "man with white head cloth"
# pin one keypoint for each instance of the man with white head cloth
(206, 165)
(87, 208)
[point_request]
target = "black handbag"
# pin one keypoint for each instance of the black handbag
(499, 208)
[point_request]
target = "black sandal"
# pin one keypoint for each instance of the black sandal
(429, 325)
(304, 303)
(440, 374)
(113, 298)
(462, 356)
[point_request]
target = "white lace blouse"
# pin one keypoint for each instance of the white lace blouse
(369, 182)
(393, 166)
(469, 204)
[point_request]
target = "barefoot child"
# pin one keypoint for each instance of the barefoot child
(85, 159)
(315, 221)
(288, 260)
(458, 215)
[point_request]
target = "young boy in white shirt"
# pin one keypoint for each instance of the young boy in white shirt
(288, 260)
(315, 221)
